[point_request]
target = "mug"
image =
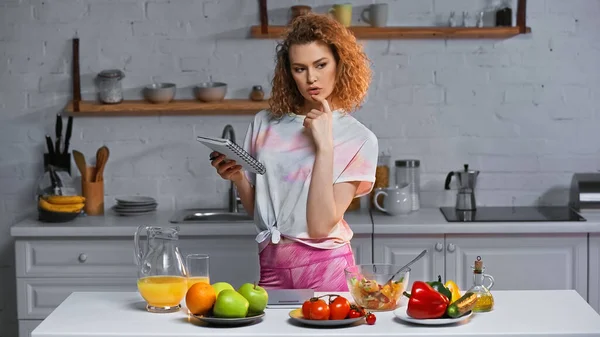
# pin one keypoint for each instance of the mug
(299, 10)
(342, 13)
(396, 200)
(376, 15)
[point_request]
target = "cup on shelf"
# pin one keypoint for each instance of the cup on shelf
(299, 10)
(376, 15)
(342, 13)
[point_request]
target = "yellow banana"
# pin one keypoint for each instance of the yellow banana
(64, 199)
(72, 208)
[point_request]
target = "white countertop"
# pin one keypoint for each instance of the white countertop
(111, 224)
(516, 313)
(424, 221)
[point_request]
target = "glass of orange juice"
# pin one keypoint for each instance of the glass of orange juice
(197, 267)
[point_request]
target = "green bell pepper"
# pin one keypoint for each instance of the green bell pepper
(440, 288)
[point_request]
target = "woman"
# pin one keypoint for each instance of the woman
(318, 158)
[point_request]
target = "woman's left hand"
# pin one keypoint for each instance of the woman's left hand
(319, 123)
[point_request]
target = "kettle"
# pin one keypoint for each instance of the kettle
(466, 179)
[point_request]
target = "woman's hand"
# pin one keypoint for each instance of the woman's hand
(319, 124)
(227, 169)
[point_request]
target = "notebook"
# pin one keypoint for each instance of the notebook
(234, 152)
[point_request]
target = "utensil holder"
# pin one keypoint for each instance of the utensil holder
(93, 192)
(60, 160)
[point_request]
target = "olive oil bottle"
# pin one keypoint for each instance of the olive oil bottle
(485, 299)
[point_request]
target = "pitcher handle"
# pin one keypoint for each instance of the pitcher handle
(489, 277)
(376, 203)
(137, 248)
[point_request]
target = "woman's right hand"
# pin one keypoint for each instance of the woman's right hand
(227, 169)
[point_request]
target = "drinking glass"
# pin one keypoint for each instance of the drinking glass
(197, 267)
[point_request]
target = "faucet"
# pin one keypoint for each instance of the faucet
(233, 198)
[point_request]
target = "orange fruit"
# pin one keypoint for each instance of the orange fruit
(200, 298)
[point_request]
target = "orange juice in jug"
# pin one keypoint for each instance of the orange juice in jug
(163, 291)
(162, 276)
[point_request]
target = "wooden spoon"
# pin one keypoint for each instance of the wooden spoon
(81, 165)
(101, 158)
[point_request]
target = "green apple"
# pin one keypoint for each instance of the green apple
(257, 297)
(220, 286)
(230, 304)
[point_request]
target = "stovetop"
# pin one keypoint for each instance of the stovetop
(512, 214)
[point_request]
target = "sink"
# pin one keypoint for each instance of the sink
(207, 215)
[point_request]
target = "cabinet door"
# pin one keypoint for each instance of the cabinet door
(361, 246)
(38, 297)
(401, 249)
(594, 273)
(232, 259)
(520, 261)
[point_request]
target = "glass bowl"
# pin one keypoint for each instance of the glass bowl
(367, 286)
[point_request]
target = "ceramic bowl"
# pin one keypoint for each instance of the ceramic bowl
(210, 91)
(160, 92)
(368, 287)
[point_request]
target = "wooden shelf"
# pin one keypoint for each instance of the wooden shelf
(375, 33)
(174, 108)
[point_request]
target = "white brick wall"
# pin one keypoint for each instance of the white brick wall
(523, 110)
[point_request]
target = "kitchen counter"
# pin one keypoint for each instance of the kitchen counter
(432, 221)
(116, 226)
(516, 313)
(424, 221)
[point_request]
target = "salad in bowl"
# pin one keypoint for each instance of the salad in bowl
(371, 287)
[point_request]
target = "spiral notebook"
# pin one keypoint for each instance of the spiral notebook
(234, 152)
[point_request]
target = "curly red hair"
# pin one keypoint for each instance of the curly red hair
(353, 66)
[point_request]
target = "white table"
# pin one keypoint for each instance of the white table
(516, 313)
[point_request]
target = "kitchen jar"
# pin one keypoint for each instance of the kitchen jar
(257, 93)
(110, 90)
(382, 177)
(408, 172)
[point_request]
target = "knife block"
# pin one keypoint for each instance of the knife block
(61, 161)
(93, 192)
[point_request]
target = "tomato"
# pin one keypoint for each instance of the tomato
(339, 308)
(316, 309)
(354, 313)
(371, 319)
(306, 309)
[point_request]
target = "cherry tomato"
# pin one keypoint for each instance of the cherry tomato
(354, 314)
(359, 309)
(371, 319)
(316, 309)
(339, 308)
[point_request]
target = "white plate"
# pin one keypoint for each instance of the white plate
(136, 199)
(121, 211)
(134, 208)
(131, 213)
(402, 315)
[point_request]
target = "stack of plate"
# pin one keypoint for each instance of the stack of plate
(135, 205)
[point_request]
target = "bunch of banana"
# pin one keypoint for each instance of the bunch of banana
(62, 203)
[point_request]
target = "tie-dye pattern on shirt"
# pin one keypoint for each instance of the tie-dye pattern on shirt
(287, 152)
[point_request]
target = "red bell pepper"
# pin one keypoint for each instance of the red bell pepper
(425, 302)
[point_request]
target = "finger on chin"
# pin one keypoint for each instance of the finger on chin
(324, 102)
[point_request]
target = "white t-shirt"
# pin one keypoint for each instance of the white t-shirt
(287, 152)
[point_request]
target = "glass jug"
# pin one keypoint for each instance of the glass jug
(162, 275)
